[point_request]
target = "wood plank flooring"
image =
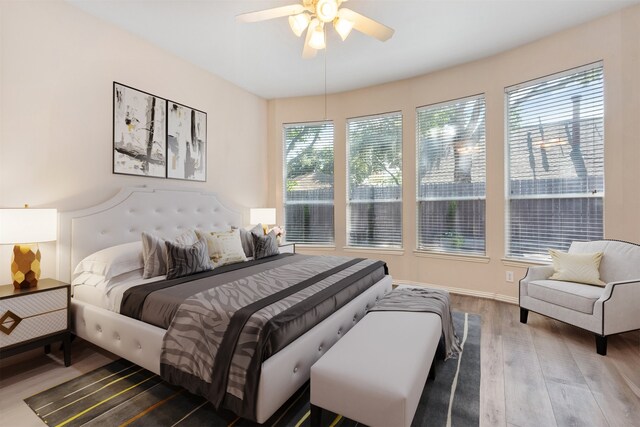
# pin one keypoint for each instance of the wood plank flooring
(547, 373)
(544, 373)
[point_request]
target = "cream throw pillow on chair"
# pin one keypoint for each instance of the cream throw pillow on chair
(579, 268)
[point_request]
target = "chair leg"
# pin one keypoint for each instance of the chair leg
(601, 345)
(524, 315)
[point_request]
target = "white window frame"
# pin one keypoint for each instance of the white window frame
(330, 242)
(542, 258)
(465, 198)
(348, 202)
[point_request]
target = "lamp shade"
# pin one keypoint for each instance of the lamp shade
(262, 216)
(26, 225)
(316, 40)
(299, 23)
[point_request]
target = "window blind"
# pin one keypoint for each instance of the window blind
(374, 205)
(308, 182)
(451, 176)
(555, 142)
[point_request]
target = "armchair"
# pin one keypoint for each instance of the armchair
(605, 311)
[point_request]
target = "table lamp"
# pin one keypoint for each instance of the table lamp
(264, 216)
(25, 228)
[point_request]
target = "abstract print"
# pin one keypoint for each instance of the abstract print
(139, 132)
(187, 139)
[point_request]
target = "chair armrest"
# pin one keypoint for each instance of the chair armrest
(619, 286)
(540, 272)
(619, 304)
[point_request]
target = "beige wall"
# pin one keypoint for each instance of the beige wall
(614, 39)
(57, 68)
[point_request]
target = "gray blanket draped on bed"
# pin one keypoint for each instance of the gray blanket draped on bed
(219, 337)
(424, 300)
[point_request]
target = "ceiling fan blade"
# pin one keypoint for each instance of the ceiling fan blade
(367, 25)
(276, 12)
(307, 51)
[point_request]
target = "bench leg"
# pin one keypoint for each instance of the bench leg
(524, 315)
(601, 345)
(316, 415)
(432, 370)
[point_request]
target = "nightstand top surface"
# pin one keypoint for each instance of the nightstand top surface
(43, 285)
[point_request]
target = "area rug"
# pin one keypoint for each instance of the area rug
(123, 394)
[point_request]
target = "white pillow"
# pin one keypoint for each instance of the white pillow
(154, 252)
(579, 268)
(113, 261)
(224, 247)
(96, 280)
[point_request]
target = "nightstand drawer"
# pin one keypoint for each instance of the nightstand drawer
(33, 315)
(36, 326)
(35, 303)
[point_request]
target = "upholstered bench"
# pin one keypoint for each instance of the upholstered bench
(376, 373)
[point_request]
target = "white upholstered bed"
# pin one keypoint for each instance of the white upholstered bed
(170, 212)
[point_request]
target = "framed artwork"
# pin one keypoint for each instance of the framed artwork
(139, 132)
(186, 143)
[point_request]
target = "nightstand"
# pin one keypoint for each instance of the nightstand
(35, 317)
(287, 248)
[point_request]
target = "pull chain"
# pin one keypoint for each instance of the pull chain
(325, 76)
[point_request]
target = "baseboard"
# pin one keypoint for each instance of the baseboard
(462, 291)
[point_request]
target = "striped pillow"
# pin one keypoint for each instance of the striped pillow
(265, 246)
(186, 260)
(154, 252)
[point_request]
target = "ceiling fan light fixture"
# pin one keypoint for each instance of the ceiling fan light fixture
(326, 10)
(316, 40)
(343, 27)
(299, 23)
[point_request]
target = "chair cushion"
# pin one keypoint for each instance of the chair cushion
(574, 296)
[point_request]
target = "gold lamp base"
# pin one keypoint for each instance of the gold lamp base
(25, 266)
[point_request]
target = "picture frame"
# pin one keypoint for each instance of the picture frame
(139, 132)
(186, 142)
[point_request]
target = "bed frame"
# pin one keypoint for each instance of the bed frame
(169, 212)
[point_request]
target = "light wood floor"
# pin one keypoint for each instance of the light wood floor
(547, 373)
(542, 374)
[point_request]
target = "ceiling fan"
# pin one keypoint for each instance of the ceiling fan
(312, 15)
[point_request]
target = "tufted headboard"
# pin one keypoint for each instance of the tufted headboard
(121, 219)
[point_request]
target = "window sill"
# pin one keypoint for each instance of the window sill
(453, 257)
(315, 247)
(518, 262)
(379, 251)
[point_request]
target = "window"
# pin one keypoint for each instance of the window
(374, 207)
(451, 176)
(555, 143)
(308, 182)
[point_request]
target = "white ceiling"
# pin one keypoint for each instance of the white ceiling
(265, 58)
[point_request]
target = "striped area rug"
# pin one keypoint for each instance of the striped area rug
(123, 394)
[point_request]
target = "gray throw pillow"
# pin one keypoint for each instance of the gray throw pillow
(154, 252)
(246, 238)
(186, 260)
(265, 246)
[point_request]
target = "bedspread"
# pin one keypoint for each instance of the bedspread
(219, 336)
